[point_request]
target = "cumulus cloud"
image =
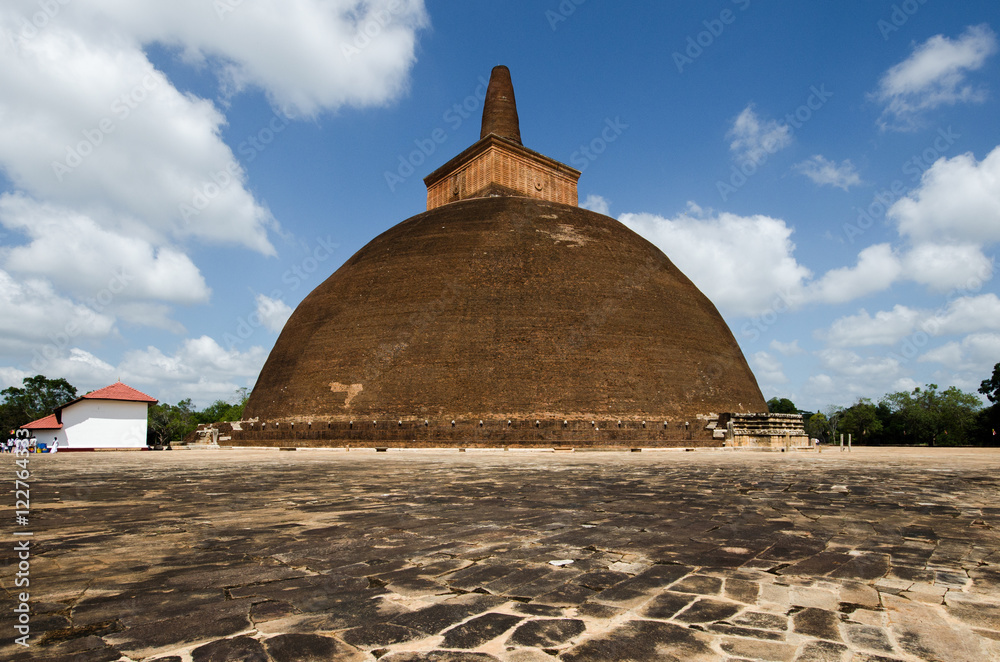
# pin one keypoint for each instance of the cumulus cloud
(976, 352)
(597, 203)
(886, 327)
(963, 315)
(94, 127)
(743, 264)
(753, 138)
(306, 55)
(34, 312)
(827, 173)
(845, 362)
(934, 75)
(12, 377)
(846, 376)
(943, 267)
(201, 369)
(787, 348)
(767, 368)
(94, 259)
(273, 313)
(957, 202)
(876, 270)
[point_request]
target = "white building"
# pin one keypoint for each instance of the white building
(47, 431)
(113, 417)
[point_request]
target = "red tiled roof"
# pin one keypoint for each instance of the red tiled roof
(119, 391)
(47, 423)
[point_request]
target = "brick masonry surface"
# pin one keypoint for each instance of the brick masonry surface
(499, 308)
(514, 168)
(235, 555)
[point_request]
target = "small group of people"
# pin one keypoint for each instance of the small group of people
(22, 442)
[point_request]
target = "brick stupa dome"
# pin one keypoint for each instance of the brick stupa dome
(504, 306)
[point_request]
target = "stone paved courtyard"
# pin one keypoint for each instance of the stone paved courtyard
(330, 555)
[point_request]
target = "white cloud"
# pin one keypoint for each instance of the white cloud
(957, 202)
(827, 173)
(967, 315)
(78, 255)
(767, 368)
(977, 353)
(944, 267)
(846, 376)
(307, 55)
(848, 363)
(885, 328)
(144, 313)
(876, 270)
(948, 354)
(201, 369)
(273, 313)
(597, 204)
(34, 313)
(753, 138)
(962, 315)
(69, 139)
(82, 369)
(743, 264)
(934, 75)
(12, 377)
(787, 348)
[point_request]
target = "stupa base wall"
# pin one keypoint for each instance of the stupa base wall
(495, 434)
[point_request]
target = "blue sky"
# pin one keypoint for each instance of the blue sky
(176, 177)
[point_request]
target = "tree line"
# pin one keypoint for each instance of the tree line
(38, 397)
(924, 416)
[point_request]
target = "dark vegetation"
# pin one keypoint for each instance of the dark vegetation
(922, 417)
(38, 396)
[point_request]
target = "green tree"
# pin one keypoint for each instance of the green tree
(988, 419)
(861, 421)
(818, 427)
(170, 422)
(991, 387)
(930, 417)
(37, 397)
(781, 406)
(220, 410)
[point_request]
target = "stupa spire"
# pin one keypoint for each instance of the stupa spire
(500, 109)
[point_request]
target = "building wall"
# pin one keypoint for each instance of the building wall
(509, 169)
(104, 424)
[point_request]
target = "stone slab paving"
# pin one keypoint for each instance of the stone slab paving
(237, 555)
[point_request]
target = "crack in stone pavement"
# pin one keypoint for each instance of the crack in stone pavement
(244, 555)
